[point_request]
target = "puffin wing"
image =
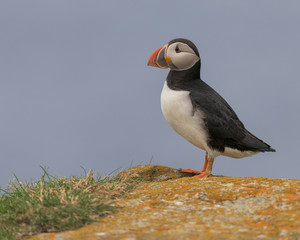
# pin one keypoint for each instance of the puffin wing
(223, 125)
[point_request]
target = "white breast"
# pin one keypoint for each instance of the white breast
(178, 110)
(179, 113)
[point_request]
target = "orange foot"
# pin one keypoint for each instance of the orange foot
(189, 170)
(206, 171)
(197, 174)
(202, 175)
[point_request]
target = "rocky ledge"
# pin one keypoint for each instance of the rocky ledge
(170, 205)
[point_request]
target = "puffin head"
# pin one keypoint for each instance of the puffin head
(179, 55)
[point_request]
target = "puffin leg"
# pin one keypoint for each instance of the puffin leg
(205, 163)
(208, 170)
(196, 172)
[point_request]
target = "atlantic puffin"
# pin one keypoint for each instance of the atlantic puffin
(197, 112)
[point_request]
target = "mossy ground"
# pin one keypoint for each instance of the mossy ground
(167, 206)
(54, 204)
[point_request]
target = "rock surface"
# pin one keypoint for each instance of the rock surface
(169, 205)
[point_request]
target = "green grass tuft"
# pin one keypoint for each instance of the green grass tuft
(57, 204)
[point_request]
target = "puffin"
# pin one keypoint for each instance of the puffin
(197, 112)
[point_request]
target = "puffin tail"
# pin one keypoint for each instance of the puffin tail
(270, 149)
(256, 144)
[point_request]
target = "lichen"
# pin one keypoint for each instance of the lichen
(169, 205)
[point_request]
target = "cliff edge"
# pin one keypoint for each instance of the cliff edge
(170, 205)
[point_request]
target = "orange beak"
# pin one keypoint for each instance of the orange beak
(158, 58)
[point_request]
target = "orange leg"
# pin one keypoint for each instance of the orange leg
(205, 163)
(206, 171)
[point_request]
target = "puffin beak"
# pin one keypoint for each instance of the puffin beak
(158, 58)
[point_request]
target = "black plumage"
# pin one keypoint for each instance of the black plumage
(223, 125)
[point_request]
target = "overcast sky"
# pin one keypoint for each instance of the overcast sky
(75, 89)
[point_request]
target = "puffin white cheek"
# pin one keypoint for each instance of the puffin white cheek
(184, 60)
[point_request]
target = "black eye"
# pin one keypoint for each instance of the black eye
(177, 49)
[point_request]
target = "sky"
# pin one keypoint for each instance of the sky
(76, 92)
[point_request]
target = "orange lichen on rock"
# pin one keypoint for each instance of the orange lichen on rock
(169, 205)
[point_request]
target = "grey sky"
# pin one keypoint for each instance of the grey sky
(75, 89)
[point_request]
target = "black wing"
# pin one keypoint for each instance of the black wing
(224, 127)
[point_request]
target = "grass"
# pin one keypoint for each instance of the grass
(57, 204)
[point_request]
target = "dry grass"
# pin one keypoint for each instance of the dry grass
(56, 204)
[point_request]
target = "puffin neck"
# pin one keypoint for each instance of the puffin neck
(177, 80)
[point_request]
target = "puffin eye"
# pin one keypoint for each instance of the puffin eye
(177, 49)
